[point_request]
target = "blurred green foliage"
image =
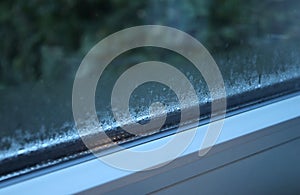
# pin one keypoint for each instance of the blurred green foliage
(39, 38)
(34, 31)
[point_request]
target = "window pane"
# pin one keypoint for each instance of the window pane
(255, 44)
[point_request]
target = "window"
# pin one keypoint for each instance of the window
(255, 44)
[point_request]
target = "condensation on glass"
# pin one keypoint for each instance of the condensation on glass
(255, 44)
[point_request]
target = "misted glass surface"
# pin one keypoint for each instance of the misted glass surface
(255, 44)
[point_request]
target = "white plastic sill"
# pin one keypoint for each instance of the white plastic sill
(93, 173)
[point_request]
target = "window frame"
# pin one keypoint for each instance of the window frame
(243, 135)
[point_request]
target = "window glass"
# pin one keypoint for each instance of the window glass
(254, 43)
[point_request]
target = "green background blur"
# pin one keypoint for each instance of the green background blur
(46, 40)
